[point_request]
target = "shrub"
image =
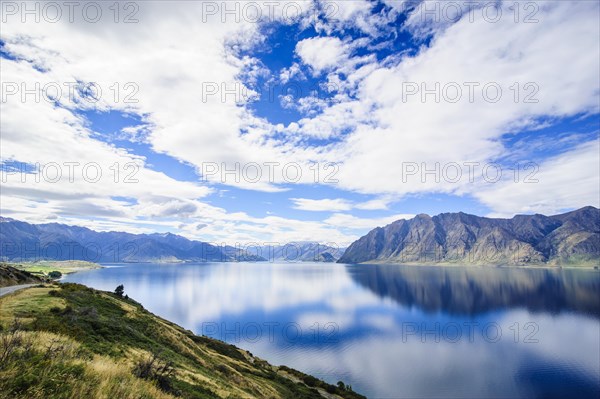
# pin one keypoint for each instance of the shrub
(10, 341)
(119, 290)
(310, 381)
(55, 275)
(154, 368)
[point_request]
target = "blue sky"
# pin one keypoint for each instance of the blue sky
(366, 89)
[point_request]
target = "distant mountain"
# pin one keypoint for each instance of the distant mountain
(21, 241)
(570, 238)
(301, 251)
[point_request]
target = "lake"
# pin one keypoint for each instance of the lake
(390, 331)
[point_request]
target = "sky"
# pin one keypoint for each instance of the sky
(280, 121)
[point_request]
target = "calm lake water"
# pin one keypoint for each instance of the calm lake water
(390, 331)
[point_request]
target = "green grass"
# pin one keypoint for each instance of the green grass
(43, 268)
(119, 332)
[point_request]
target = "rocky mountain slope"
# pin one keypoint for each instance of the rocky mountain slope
(571, 238)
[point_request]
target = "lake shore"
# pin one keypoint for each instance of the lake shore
(484, 266)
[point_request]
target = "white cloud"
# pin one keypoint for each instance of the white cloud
(356, 14)
(290, 73)
(171, 56)
(347, 221)
(389, 129)
(338, 204)
(376, 204)
(564, 182)
(322, 53)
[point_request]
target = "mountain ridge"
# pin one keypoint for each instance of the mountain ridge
(568, 238)
(22, 241)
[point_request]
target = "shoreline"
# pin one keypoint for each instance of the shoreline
(70, 267)
(481, 266)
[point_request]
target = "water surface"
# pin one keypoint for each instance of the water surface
(390, 331)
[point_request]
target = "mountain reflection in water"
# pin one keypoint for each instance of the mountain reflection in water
(476, 290)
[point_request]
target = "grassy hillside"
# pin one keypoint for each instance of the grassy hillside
(12, 276)
(70, 341)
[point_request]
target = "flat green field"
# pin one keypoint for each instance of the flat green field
(65, 267)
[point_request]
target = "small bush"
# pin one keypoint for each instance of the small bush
(310, 381)
(119, 290)
(154, 368)
(331, 389)
(55, 275)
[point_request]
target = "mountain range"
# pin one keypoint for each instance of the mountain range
(21, 241)
(298, 251)
(571, 238)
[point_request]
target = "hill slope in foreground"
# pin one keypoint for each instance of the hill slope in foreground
(12, 276)
(570, 239)
(70, 341)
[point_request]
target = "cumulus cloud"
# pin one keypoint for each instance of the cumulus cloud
(183, 65)
(322, 53)
(389, 127)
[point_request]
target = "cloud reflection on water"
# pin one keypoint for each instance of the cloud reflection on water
(373, 307)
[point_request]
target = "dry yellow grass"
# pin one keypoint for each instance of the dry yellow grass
(105, 378)
(104, 346)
